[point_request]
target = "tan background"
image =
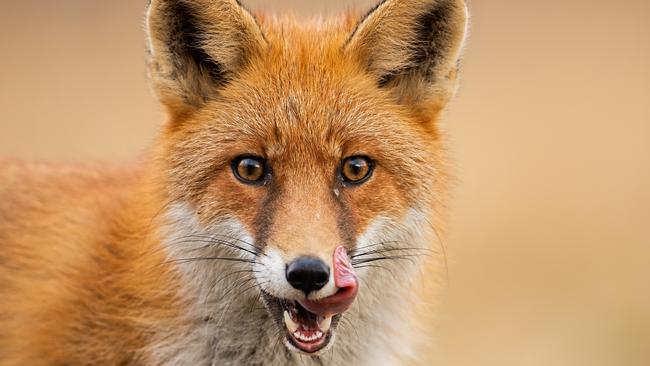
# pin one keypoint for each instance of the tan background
(549, 239)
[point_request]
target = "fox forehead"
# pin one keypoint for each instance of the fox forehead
(303, 86)
(304, 98)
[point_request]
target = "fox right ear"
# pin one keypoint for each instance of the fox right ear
(195, 47)
(412, 48)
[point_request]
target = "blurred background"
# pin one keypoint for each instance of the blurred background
(549, 234)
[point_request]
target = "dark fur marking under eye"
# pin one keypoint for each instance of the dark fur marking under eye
(266, 215)
(345, 219)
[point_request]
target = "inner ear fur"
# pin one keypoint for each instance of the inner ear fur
(197, 46)
(412, 47)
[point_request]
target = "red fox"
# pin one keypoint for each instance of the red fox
(289, 212)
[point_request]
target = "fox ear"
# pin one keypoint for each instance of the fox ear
(412, 47)
(195, 47)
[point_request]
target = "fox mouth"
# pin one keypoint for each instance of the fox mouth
(309, 324)
(307, 331)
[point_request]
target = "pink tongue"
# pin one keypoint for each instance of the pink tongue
(345, 280)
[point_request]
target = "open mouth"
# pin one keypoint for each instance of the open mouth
(309, 324)
(306, 331)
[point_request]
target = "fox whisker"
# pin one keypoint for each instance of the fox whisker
(442, 248)
(250, 287)
(392, 249)
(376, 266)
(227, 259)
(356, 250)
(387, 257)
(238, 284)
(227, 275)
(213, 240)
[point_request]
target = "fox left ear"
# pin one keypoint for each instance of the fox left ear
(195, 47)
(412, 47)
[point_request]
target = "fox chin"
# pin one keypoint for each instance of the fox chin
(290, 211)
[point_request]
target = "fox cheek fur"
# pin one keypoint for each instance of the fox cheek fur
(207, 267)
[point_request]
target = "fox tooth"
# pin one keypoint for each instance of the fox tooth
(325, 324)
(291, 325)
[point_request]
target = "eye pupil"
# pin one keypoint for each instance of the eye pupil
(356, 169)
(249, 169)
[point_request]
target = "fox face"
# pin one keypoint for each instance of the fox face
(302, 162)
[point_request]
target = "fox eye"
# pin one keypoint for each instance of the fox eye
(356, 169)
(249, 169)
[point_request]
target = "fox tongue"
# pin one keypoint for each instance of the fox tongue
(345, 280)
(344, 275)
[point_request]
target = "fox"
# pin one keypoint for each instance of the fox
(291, 210)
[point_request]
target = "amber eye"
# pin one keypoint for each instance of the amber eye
(356, 169)
(249, 169)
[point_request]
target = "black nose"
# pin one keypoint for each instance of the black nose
(308, 274)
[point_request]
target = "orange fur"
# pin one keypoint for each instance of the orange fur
(71, 238)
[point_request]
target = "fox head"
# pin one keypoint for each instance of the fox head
(302, 162)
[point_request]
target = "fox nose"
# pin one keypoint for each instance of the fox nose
(308, 274)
